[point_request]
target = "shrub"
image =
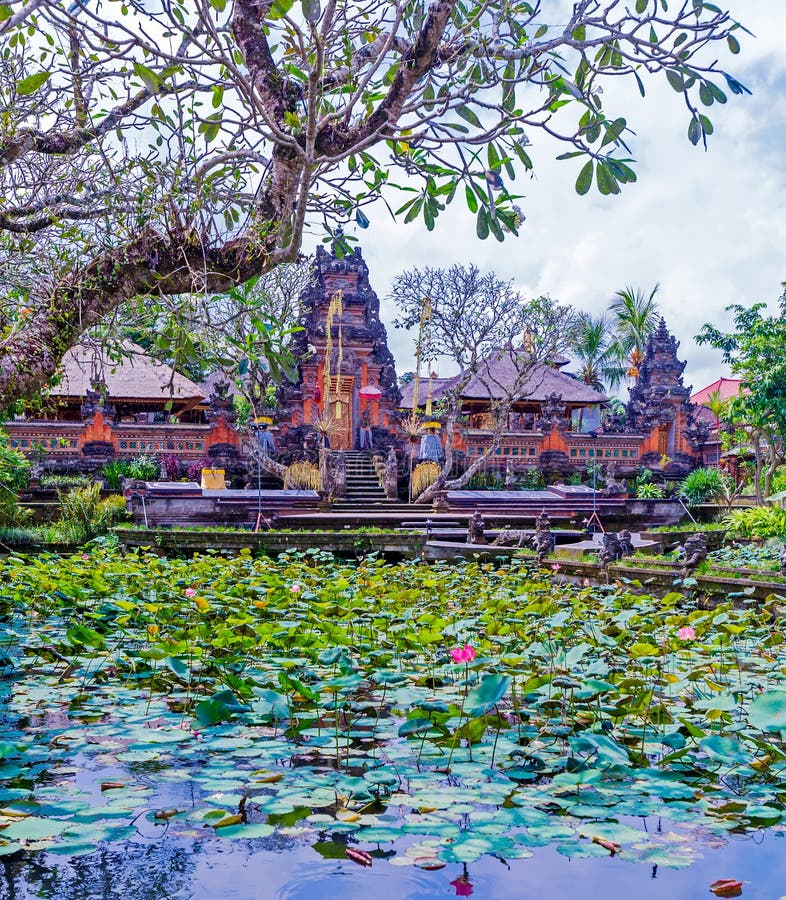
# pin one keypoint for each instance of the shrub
(144, 468)
(194, 471)
(533, 480)
(483, 481)
(649, 491)
(757, 522)
(702, 485)
(170, 467)
(64, 481)
(114, 472)
(84, 515)
(14, 475)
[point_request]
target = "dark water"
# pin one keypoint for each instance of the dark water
(281, 868)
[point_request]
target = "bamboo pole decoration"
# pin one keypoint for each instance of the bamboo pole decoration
(335, 308)
(340, 359)
(425, 321)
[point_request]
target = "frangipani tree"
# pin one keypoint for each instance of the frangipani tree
(501, 342)
(163, 148)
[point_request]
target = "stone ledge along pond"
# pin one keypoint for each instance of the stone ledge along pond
(304, 727)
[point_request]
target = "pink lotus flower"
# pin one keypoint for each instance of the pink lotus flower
(85, 556)
(555, 567)
(463, 654)
(686, 633)
(296, 588)
(190, 592)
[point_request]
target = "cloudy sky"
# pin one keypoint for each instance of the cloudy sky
(709, 227)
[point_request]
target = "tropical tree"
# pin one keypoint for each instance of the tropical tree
(756, 352)
(595, 349)
(635, 317)
(719, 406)
(168, 148)
(497, 338)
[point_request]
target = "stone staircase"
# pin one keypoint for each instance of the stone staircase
(363, 486)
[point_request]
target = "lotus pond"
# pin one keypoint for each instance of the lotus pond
(419, 731)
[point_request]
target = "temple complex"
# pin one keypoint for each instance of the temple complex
(346, 399)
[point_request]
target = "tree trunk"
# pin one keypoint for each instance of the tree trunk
(442, 483)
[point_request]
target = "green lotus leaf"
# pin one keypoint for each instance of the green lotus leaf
(768, 711)
(487, 694)
(728, 750)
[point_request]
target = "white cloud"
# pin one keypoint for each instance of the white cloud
(710, 227)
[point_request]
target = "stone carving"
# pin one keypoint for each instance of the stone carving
(391, 475)
(610, 550)
(96, 400)
(221, 405)
(325, 472)
(513, 537)
(625, 540)
(510, 476)
(782, 560)
(614, 487)
(476, 529)
(339, 475)
(694, 552)
(614, 423)
(553, 413)
(543, 540)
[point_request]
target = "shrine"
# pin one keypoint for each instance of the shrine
(660, 409)
(347, 374)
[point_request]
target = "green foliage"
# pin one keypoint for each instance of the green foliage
(486, 481)
(114, 472)
(757, 522)
(63, 481)
(643, 476)
(649, 491)
(702, 485)
(755, 352)
(143, 467)
(84, 515)
(328, 692)
(14, 475)
(533, 480)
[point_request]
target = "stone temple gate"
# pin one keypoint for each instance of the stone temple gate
(347, 372)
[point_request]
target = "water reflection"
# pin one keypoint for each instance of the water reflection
(289, 869)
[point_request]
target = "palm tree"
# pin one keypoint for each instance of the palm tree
(719, 406)
(595, 349)
(635, 316)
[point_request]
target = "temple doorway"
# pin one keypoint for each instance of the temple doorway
(342, 390)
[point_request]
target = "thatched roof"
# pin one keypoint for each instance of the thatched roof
(500, 375)
(135, 376)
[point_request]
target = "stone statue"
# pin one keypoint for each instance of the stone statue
(625, 540)
(614, 487)
(695, 552)
(782, 559)
(221, 403)
(543, 539)
(326, 483)
(510, 476)
(553, 413)
(476, 528)
(391, 475)
(339, 475)
(610, 550)
(513, 537)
